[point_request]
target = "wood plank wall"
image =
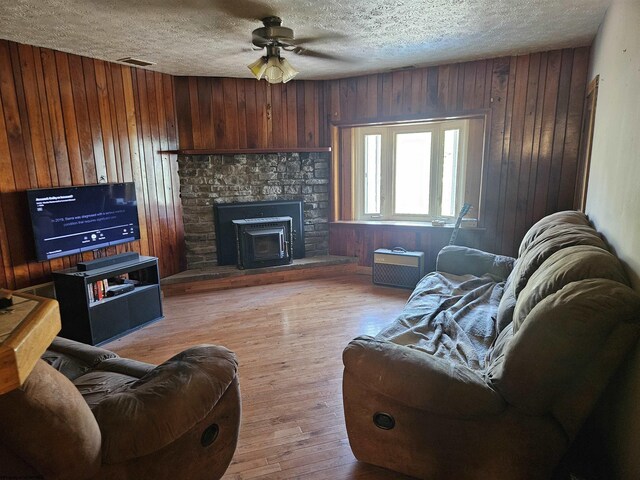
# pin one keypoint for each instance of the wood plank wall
(70, 120)
(360, 240)
(227, 113)
(535, 103)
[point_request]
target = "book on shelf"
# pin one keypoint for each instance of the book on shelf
(98, 290)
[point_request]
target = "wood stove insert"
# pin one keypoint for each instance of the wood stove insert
(225, 213)
(263, 242)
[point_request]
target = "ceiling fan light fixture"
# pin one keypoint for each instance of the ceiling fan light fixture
(288, 72)
(258, 67)
(273, 69)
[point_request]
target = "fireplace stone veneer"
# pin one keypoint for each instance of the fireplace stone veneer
(206, 180)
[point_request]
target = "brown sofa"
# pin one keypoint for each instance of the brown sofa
(85, 413)
(494, 363)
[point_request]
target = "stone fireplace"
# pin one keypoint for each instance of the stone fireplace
(208, 180)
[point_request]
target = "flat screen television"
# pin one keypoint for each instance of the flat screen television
(72, 220)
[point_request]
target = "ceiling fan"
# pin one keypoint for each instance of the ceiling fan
(274, 37)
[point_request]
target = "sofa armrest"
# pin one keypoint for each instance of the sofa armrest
(153, 411)
(469, 261)
(420, 380)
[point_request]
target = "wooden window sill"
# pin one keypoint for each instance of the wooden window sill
(399, 223)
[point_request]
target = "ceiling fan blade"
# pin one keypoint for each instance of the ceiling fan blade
(288, 43)
(255, 38)
(251, 49)
(305, 52)
(319, 38)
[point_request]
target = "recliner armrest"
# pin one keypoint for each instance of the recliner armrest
(164, 404)
(74, 359)
(420, 380)
(48, 425)
(470, 261)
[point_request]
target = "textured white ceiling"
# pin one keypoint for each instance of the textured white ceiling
(213, 37)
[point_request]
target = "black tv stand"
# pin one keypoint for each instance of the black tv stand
(90, 316)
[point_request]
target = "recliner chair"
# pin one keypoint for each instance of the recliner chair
(86, 413)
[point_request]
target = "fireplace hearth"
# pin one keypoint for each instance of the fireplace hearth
(263, 242)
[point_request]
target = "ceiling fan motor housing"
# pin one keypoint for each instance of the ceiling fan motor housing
(273, 33)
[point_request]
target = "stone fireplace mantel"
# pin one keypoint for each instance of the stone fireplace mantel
(244, 151)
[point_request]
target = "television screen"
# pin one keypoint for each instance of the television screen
(71, 220)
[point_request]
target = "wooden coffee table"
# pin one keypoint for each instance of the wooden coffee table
(26, 330)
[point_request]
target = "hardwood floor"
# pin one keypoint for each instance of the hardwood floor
(289, 340)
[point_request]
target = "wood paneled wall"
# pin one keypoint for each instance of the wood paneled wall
(71, 120)
(535, 103)
(361, 240)
(227, 113)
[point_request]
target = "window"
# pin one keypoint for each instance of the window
(410, 172)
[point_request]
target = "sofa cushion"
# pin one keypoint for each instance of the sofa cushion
(571, 264)
(553, 239)
(449, 316)
(559, 338)
(110, 376)
(507, 305)
(459, 260)
(548, 237)
(96, 386)
(498, 349)
(420, 381)
(559, 218)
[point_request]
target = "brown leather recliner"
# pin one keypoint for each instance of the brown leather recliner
(85, 413)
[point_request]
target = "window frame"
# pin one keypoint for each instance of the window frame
(388, 162)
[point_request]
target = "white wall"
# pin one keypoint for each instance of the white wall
(613, 201)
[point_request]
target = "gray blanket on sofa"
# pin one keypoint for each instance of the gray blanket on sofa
(460, 325)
